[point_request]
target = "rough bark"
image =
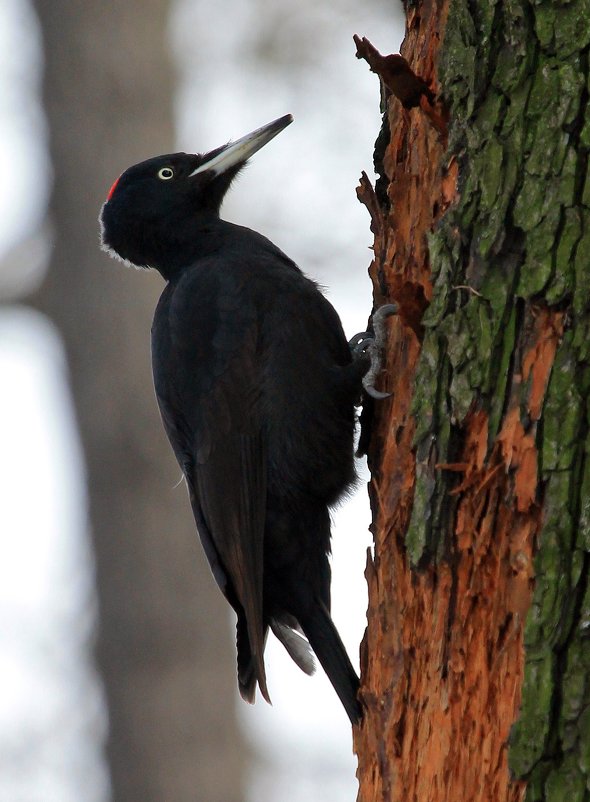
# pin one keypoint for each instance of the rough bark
(164, 643)
(475, 661)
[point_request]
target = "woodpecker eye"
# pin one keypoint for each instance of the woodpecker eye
(166, 173)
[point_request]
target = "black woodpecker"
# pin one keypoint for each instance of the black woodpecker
(257, 387)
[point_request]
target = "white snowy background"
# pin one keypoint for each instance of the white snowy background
(299, 191)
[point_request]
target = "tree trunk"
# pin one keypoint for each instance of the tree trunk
(475, 664)
(164, 647)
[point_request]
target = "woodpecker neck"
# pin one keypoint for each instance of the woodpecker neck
(184, 245)
(168, 245)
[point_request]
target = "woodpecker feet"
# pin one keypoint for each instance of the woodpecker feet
(372, 344)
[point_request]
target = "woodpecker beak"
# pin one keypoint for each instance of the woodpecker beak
(238, 152)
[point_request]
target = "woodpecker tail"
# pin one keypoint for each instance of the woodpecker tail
(250, 665)
(329, 649)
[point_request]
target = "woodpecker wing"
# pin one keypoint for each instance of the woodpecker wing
(204, 342)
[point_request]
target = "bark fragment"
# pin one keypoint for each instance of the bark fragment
(396, 74)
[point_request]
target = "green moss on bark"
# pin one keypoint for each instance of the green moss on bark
(515, 75)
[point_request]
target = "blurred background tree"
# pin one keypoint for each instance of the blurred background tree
(163, 651)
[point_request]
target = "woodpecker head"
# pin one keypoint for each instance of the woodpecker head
(157, 208)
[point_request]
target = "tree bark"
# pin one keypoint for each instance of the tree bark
(164, 644)
(475, 663)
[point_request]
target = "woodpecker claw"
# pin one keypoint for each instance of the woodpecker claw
(378, 395)
(372, 344)
(359, 343)
(379, 317)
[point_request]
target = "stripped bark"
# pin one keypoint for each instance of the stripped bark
(474, 671)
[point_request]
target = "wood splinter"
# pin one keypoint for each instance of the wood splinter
(396, 74)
